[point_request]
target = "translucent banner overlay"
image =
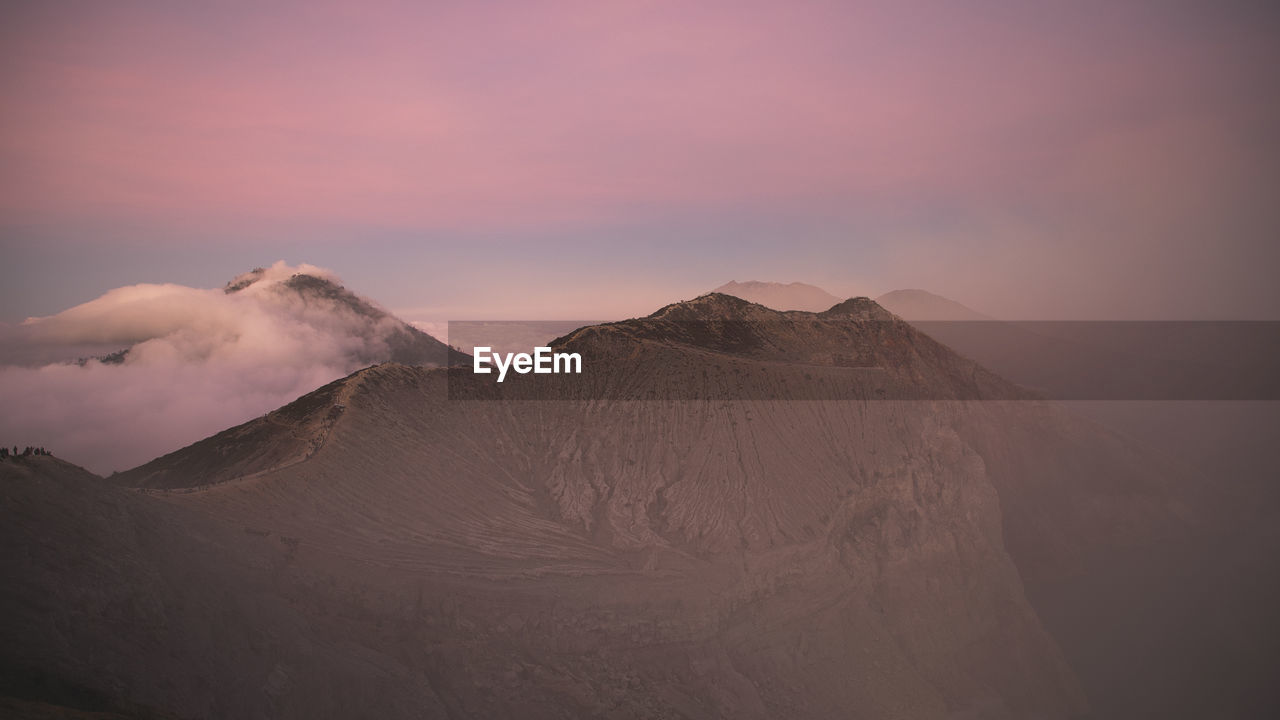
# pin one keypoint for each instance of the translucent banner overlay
(805, 356)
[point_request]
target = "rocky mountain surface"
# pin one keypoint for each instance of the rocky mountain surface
(403, 544)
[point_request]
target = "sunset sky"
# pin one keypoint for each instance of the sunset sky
(530, 159)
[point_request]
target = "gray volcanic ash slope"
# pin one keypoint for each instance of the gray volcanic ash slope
(390, 551)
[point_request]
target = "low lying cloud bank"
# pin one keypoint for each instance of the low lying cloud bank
(197, 361)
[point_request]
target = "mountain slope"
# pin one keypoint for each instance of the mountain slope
(678, 539)
(118, 603)
(282, 437)
(642, 549)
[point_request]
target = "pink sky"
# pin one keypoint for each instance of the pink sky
(1086, 138)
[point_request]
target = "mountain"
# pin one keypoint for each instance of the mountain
(916, 305)
(780, 296)
(283, 437)
(194, 323)
(909, 305)
(117, 605)
(385, 337)
(684, 530)
(164, 365)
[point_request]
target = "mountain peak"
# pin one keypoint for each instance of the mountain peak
(388, 338)
(780, 296)
(281, 274)
(713, 306)
(244, 280)
(307, 281)
(858, 308)
(317, 287)
(856, 333)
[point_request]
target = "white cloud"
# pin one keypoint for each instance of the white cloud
(201, 360)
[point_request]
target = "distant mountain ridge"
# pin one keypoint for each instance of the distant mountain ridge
(911, 305)
(781, 296)
(921, 305)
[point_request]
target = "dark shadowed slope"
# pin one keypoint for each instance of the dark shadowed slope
(116, 603)
(639, 552)
(280, 438)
